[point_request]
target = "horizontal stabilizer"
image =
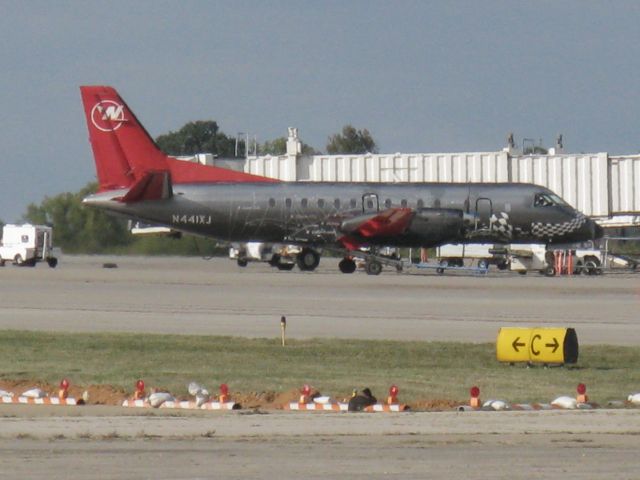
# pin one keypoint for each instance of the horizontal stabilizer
(152, 186)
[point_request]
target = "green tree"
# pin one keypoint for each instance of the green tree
(351, 141)
(78, 229)
(278, 146)
(202, 136)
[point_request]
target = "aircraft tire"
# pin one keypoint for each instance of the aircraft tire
(242, 262)
(18, 259)
(347, 265)
(52, 262)
(373, 267)
(308, 259)
(550, 271)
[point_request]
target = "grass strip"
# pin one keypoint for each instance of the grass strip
(422, 370)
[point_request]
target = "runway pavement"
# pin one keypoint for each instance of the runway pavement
(194, 296)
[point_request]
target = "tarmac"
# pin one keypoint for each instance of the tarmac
(194, 296)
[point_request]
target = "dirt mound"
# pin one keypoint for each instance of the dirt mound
(435, 405)
(267, 400)
(97, 394)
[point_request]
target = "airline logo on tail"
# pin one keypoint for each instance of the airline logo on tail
(107, 115)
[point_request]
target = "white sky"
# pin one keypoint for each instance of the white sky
(421, 76)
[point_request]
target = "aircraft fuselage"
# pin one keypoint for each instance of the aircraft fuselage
(317, 213)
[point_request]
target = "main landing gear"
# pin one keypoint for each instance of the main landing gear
(347, 265)
(373, 262)
(308, 259)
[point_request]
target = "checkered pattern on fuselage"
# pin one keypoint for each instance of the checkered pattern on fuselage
(549, 230)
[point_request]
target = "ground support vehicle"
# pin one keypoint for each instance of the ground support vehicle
(25, 245)
(282, 257)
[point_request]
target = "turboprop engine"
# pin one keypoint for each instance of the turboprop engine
(435, 226)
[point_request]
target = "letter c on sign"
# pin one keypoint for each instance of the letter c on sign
(533, 339)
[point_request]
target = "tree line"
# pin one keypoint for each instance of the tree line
(79, 229)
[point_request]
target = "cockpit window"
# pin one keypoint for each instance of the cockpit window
(547, 200)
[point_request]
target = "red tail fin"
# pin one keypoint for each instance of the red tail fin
(124, 152)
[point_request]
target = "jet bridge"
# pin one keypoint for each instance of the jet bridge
(604, 187)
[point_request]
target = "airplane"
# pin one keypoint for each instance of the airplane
(139, 181)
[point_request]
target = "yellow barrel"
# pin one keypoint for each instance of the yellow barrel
(537, 345)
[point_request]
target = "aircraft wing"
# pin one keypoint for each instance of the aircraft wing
(388, 223)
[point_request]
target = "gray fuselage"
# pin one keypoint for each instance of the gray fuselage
(313, 213)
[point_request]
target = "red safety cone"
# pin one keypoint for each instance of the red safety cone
(63, 393)
(139, 393)
(306, 392)
(224, 393)
(582, 393)
(392, 399)
(474, 401)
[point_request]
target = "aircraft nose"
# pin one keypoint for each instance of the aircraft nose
(597, 230)
(591, 230)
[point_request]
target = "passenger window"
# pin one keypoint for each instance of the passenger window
(287, 203)
(403, 203)
(387, 203)
(354, 203)
(436, 203)
(320, 203)
(272, 202)
(336, 203)
(420, 203)
(369, 203)
(303, 203)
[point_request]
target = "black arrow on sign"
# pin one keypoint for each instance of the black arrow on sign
(515, 344)
(553, 345)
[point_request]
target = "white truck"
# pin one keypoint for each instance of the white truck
(520, 258)
(278, 255)
(25, 245)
